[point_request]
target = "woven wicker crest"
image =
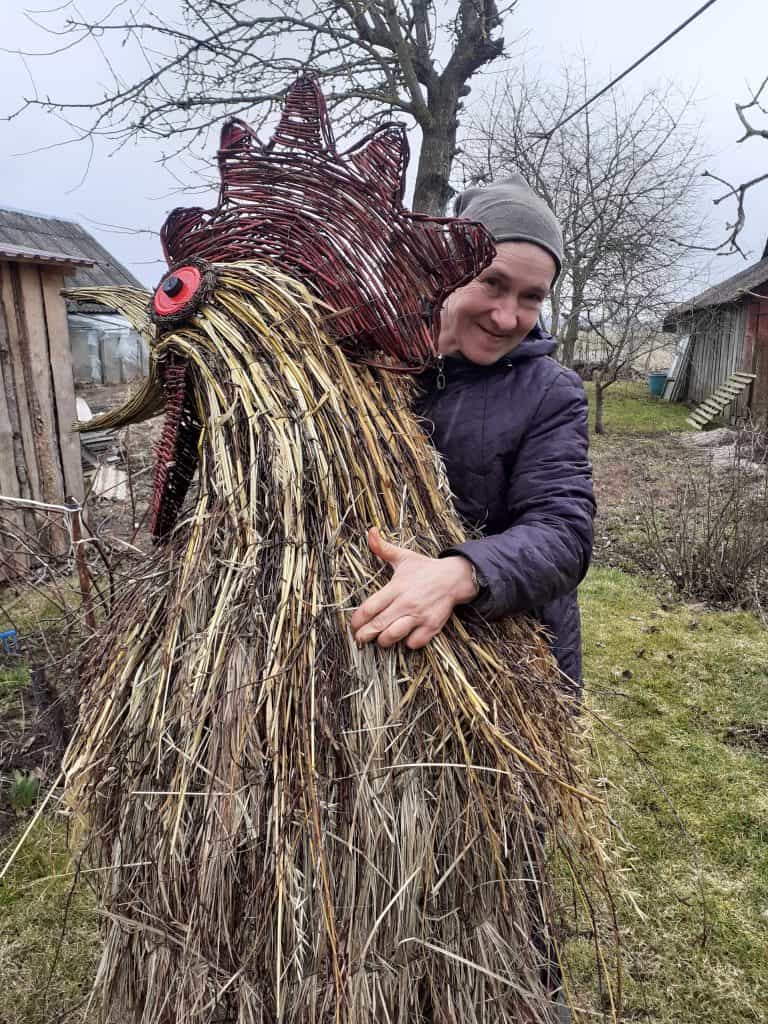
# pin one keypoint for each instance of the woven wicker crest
(336, 222)
(333, 221)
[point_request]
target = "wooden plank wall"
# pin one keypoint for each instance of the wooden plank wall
(14, 480)
(40, 457)
(718, 351)
(756, 351)
(63, 383)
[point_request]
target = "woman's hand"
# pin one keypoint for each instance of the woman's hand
(418, 600)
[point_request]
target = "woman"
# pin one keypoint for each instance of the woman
(511, 425)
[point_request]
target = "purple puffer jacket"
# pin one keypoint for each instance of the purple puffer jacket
(514, 439)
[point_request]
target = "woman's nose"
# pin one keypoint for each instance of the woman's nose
(504, 315)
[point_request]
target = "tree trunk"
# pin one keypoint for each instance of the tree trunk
(569, 339)
(599, 389)
(433, 192)
(554, 325)
(571, 335)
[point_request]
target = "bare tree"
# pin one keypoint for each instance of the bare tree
(238, 57)
(627, 327)
(746, 112)
(623, 180)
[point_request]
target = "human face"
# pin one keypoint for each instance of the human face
(487, 318)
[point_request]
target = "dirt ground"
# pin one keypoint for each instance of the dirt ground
(633, 475)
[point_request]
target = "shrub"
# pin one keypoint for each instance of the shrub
(712, 540)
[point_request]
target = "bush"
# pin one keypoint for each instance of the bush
(712, 540)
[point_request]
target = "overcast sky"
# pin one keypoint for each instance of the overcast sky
(717, 57)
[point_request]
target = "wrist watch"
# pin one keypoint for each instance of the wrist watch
(478, 581)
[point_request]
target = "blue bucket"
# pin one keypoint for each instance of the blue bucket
(657, 382)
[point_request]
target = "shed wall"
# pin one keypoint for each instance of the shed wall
(718, 337)
(40, 458)
(756, 353)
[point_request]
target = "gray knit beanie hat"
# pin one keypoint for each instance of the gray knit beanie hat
(512, 212)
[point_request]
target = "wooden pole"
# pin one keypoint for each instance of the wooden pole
(82, 567)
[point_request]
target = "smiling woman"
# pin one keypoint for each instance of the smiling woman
(511, 425)
(489, 317)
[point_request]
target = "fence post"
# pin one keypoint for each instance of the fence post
(82, 566)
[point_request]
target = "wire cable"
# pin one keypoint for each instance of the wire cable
(615, 81)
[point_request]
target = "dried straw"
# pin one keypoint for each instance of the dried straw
(298, 830)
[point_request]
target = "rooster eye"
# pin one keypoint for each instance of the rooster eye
(176, 291)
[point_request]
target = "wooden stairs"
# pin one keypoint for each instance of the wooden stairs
(714, 405)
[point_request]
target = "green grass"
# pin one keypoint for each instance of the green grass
(28, 608)
(628, 408)
(686, 689)
(14, 679)
(49, 944)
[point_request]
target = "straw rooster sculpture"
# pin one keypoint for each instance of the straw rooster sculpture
(288, 828)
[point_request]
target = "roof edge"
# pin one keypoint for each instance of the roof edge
(23, 254)
(731, 290)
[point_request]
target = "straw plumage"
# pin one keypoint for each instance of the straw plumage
(295, 829)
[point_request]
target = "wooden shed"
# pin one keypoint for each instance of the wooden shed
(728, 329)
(105, 348)
(39, 451)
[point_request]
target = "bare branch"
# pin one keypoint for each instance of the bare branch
(623, 180)
(749, 130)
(739, 192)
(233, 57)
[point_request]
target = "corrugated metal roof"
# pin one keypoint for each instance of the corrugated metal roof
(23, 254)
(40, 233)
(730, 290)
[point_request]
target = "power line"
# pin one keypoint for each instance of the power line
(615, 81)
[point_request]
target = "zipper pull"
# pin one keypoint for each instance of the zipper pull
(441, 373)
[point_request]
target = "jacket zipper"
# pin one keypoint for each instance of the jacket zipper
(440, 373)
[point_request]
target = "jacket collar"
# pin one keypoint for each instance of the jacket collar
(537, 343)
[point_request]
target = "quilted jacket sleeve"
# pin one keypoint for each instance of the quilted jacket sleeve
(545, 551)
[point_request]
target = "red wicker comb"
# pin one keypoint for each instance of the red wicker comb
(336, 222)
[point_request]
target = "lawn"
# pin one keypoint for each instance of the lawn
(628, 408)
(49, 944)
(686, 759)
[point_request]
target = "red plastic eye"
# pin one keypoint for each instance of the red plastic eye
(177, 290)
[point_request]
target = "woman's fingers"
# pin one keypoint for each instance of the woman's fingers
(384, 550)
(420, 637)
(398, 622)
(373, 606)
(397, 630)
